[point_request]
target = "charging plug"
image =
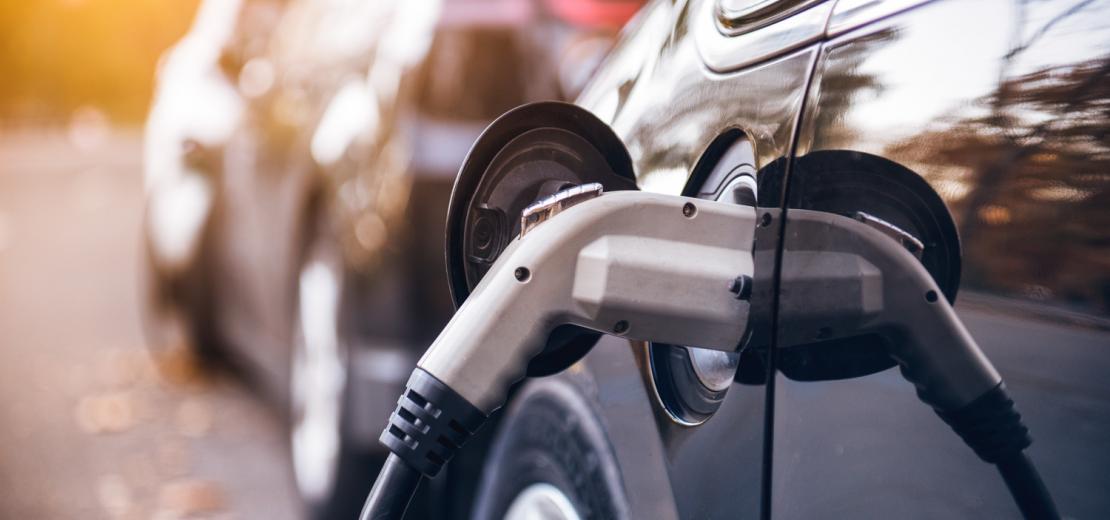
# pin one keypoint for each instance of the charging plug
(637, 265)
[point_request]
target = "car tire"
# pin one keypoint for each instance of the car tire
(332, 473)
(551, 459)
(178, 312)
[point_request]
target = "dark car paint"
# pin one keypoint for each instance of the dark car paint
(1030, 197)
(671, 110)
(1034, 291)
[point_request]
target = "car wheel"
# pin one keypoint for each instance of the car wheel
(331, 474)
(177, 315)
(551, 460)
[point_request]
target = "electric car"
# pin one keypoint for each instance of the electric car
(975, 132)
(298, 160)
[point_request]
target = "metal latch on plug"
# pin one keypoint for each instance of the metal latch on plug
(542, 210)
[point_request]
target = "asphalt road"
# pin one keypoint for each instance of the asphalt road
(90, 425)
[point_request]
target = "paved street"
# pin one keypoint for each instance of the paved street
(90, 427)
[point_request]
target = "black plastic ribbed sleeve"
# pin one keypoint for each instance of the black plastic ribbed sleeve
(990, 425)
(430, 424)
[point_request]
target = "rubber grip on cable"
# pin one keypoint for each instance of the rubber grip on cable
(990, 425)
(430, 424)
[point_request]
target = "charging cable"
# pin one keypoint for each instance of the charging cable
(657, 268)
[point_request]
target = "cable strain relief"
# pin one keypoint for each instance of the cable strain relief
(431, 422)
(990, 425)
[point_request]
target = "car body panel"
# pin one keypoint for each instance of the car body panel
(907, 81)
(724, 48)
(670, 109)
(1000, 106)
(269, 174)
(195, 107)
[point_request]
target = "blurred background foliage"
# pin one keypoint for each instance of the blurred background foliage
(57, 56)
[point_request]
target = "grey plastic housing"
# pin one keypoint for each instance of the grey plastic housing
(842, 278)
(639, 265)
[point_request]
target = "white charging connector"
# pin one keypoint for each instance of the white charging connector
(638, 265)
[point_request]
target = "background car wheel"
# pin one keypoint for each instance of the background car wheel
(177, 316)
(331, 474)
(551, 459)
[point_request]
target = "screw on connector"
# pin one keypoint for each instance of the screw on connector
(522, 274)
(741, 286)
(689, 210)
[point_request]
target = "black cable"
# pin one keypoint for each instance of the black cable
(992, 427)
(1027, 488)
(392, 491)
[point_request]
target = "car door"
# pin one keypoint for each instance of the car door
(701, 110)
(298, 58)
(1001, 106)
